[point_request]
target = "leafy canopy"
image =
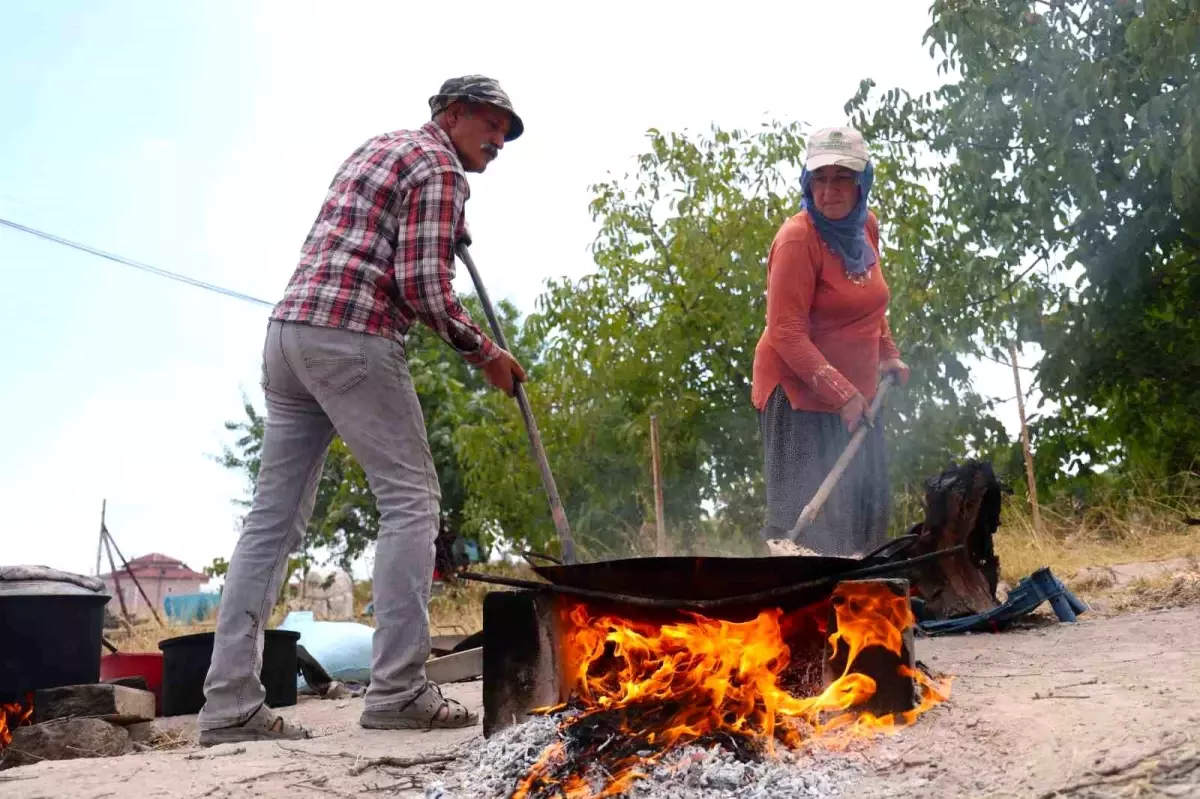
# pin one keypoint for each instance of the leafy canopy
(1048, 192)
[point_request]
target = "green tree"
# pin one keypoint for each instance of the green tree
(1067, 151)
(667, 324)
(344, 521)
(345, 518)
(1047, 193)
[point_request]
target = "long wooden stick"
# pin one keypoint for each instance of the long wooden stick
(660, 547)
(835, 474)
(1026, 448)
(535, 438)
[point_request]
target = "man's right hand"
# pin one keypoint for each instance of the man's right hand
(504, 372)
(854, 412)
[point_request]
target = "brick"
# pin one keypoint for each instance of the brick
(115, 703)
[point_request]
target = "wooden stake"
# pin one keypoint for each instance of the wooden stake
(1025, 445)
(100, 540)
(116, 580)
(660, 547)
(133, 577)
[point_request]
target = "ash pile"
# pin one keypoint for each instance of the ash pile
(716, 771)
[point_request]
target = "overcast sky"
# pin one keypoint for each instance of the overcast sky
(200, 138)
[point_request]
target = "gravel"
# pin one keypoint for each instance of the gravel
(494, 767)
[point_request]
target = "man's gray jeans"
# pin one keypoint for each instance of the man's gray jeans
(318, 381)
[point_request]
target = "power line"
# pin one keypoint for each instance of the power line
(154, 270)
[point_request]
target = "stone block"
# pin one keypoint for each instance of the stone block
(65, 739)
(116, 703)
(142, 732)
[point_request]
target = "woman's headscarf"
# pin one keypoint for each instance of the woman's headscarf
(847, 237)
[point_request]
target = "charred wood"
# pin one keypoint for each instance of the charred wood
(962, 508)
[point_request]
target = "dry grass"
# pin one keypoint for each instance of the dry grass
(1172, 591)
(1142, 524)
(1097, 537)
(171, 739)
(458, 608)
(146, 634)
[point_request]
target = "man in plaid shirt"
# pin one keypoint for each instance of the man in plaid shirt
(378, 259)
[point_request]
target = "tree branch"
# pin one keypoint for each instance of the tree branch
(1065, 9)
(1003, 362)
(1011, 285)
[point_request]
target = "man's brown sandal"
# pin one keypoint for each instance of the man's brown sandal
(263, 725)
(426, 711)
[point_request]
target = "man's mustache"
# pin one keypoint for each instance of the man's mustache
(490, 149)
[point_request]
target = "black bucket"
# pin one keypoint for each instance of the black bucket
(187, 657)
(50, 640)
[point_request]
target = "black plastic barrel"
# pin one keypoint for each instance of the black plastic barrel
(49, 640)
(187, 657)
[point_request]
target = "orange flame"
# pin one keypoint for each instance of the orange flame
(651, 687)
(13, 715)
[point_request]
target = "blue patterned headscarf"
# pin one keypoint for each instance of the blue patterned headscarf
(847, 237)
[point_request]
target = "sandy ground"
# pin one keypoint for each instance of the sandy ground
(1043, 712)
(1102, 708)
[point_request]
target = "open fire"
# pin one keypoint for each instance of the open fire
(643, 687)
(13, 715)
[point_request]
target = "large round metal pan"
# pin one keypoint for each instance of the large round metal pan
(697, 577)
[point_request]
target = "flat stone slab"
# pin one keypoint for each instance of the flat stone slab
(464, 665)
(116, 703)
(65, 739)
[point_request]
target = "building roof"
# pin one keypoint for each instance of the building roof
(158, 566)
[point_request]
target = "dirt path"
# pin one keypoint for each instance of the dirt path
(1031, 713)
(321, 766)
(1039, 711)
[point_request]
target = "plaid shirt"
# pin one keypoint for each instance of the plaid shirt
(380, 255)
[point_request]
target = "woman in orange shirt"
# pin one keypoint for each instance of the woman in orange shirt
(824, 349)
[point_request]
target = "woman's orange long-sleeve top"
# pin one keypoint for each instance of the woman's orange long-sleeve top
(826, 334)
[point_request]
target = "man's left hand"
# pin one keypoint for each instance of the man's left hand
(504, 372)
(896, 367)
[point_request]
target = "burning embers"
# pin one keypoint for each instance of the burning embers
(640, 688)
(13, 715)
